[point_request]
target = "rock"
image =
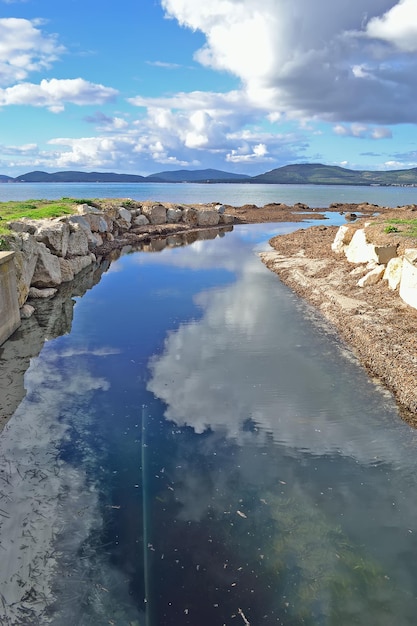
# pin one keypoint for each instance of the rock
(372, 277)
(220, 208)
(77, 242)
(67, 273)
(55, 235)
(87, 209)
(342, 239)
(81, 262)
(359, 250)
(189, 216)
(156, 213)
(97, 223)
(174, 215)
(207, 217)
(408, 284)
(48, 270)
(226, 218)
(393, 272)
(351, 217)
(385, 253)
(26, 257)
(141, 220)
(42, 293)
(26, 311)
(24, 225)
(125, 215)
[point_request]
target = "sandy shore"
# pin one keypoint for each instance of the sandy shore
(373, 321)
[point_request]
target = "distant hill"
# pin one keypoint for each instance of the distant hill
(317, 174)
(197, 176)
(78, 177)
(301, 174)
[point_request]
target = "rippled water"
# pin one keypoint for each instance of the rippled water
(200, 449)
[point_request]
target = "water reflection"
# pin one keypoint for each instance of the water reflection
(266, 479)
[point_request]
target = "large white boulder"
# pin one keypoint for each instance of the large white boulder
(342, 239)
(408, 284)
(393, 272)
(372, 277)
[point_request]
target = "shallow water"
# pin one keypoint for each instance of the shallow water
(200, 448)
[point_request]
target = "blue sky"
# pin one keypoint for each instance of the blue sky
(238, 85)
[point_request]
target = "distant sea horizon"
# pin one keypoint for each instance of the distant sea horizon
(235, 194)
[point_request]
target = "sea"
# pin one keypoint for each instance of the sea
(234, 194)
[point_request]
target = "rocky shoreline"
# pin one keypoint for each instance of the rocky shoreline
(372, 319)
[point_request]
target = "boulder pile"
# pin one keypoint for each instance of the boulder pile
(49, 252)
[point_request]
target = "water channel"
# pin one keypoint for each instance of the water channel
(199, 448)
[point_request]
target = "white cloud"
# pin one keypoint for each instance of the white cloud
(312, 59)
(398, 26)
(25, 49)
(54, 93)
(362, 131)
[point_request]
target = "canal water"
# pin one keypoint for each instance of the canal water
(200, 449)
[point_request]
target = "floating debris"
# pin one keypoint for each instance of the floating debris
(242, 514)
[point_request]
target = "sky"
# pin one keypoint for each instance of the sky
(245, 86)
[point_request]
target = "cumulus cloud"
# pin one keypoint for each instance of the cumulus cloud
(324, 59)
(54, 93)
(24, 48)
(398, 26)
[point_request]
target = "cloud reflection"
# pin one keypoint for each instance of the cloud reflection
(253, 356)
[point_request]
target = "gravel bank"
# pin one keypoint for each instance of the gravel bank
(374, 321)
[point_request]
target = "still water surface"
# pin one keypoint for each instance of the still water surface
(235, 194)
(201, 450)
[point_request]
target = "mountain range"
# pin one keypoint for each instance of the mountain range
(302, 174)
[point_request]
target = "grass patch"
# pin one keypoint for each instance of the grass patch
(36, 209)
(407, 228)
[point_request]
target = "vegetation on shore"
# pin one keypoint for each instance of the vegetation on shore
(408, 228)
(36, 209)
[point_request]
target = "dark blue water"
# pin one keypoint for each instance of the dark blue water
(201, 449)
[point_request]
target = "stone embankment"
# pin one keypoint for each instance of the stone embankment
(378, 259)
(46, 253)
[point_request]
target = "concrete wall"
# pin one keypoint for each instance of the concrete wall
(9, 308)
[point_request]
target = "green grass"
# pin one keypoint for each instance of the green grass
(36, 209)
(407, 228)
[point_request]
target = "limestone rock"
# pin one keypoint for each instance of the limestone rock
(189, 216)
(140, 220)
(207, 217)
(42, 293)
(81, 262)
(55, 235)
(174, 215)
(408, 284)
(359, 250)
(48, 270)
(67, 272)
(77, 242)
(393, 272)
(26, 256)
(156, 213)
(125, 215)
(372, 277)
(342, 239)
(87, 209)
(226, 218)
